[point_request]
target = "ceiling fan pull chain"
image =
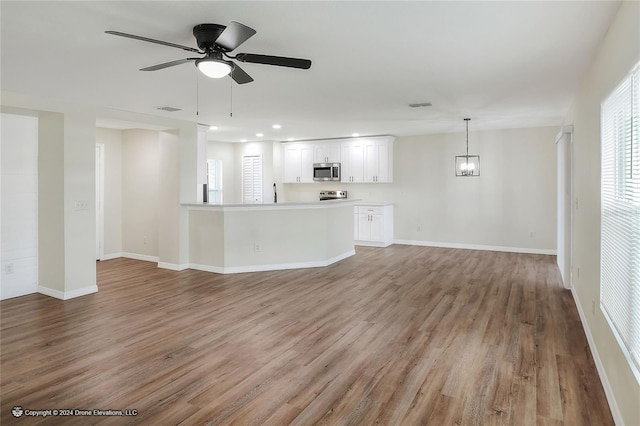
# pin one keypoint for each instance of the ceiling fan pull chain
(197, 94)
(230, 98)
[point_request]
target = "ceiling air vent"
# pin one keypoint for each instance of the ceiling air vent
(168, 108)
(420, 105)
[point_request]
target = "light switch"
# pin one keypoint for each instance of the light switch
(82, 205)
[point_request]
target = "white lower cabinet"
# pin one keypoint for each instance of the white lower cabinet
(373, 225)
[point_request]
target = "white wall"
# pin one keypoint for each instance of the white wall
(51, 215)
(511, 204)
(66, 207)
(140, 192)
(172, 245)
(618, 53)
(19, 201)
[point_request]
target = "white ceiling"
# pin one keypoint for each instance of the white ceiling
(504, 64)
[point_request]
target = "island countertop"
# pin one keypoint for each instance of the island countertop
(286, 205)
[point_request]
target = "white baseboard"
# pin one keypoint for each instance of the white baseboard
(173, 266)
(371, 243)
(613, 406)
(136, 256)
(111, 256)
(476, 247)
(272, 267)
(163, 265)
(66, 295)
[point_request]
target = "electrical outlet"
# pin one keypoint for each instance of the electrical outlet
(256, 247)
(578, 272)
(9, 268)
(530, 234)
(419, 229)
(144, 240)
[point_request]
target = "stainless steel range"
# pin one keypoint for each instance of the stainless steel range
(333, 195)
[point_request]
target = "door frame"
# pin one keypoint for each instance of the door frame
(565, 204)
(99, 201)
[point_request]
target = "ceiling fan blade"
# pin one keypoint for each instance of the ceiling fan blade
(234, 35)
(239, 75)
(167, 64)
(280, 61)
(151, 40)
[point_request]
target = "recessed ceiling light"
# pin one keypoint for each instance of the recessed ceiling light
(355, 135)
(243, 140)
(213, 127)
(277, 126)
(259, 135)
(168, 108)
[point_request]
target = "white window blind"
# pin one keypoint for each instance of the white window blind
(252, 179)
(214, 180)
(620, 230)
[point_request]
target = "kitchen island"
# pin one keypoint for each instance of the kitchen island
(237, 238)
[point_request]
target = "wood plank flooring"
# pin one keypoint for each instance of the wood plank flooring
(396, 336)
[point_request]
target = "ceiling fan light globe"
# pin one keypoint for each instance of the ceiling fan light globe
(213, 68)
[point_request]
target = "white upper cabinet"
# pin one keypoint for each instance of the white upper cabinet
(352, 160)
(368, 159)
(326, 152)
(298, 163)
(378, 159)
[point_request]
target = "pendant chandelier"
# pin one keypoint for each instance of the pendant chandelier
(467, 165)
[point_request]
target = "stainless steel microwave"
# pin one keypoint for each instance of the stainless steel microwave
(326, 171)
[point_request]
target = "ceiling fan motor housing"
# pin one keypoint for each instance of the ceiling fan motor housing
(206, 36)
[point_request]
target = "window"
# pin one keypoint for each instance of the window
(214, 181)
(252, 179)
(620, 230)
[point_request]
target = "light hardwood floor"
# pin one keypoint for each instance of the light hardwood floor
(395, 336)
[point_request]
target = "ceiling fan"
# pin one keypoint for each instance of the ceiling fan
(215, 42)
